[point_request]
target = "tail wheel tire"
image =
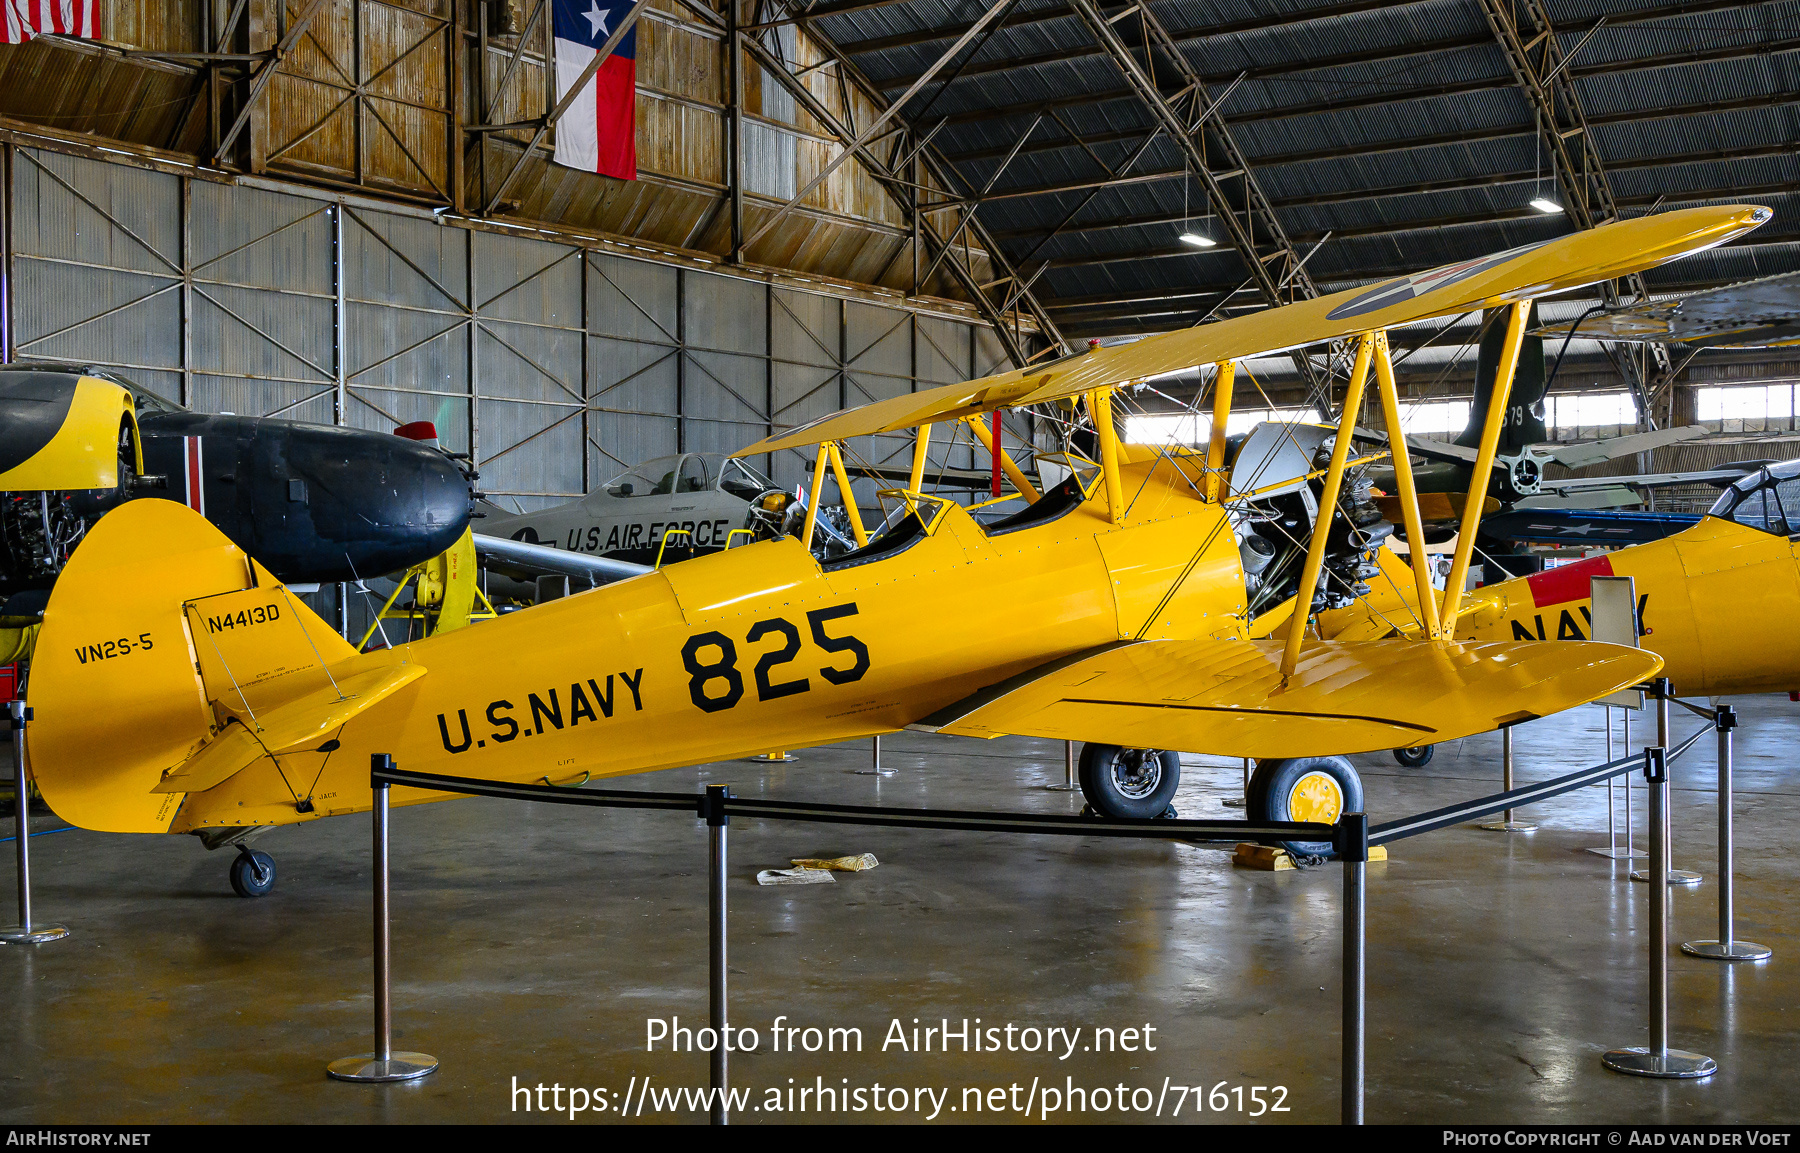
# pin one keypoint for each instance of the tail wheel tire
(253, 874)
(1416, 757)
(1125, 783)
(1320, 789)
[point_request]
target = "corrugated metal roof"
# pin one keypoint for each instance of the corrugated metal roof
(1326, 115)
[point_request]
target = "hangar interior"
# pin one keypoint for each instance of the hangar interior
(345, 212)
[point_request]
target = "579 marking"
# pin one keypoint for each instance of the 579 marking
(704, 676)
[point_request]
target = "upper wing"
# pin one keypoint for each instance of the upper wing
(1227, 696)
(1519, 274)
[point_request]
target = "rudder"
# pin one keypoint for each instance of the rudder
(159, 631)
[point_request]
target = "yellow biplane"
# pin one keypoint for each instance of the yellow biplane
(179, 688)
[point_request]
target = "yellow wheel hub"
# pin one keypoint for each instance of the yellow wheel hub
(1316, 797)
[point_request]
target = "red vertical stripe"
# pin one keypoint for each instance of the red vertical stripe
(196, 488)
(996, 452)
(615, 118)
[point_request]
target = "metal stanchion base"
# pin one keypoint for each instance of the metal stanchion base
(1676, 1063)
(36, 935)
(1676, 876)
(874, 772)
(772, 759)
(1727, 951)
(1511, 827)
(1063, 788)
(398, 1067)
(1616, 854)
(1234, 802)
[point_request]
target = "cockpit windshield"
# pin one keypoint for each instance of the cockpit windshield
(688, 472)
(1768, 499)
(739, 479)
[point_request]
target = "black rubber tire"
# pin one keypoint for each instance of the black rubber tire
(1272, 788)
(253, 874)
(1129, 783)
(1416, 757)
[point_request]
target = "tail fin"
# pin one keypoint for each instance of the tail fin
(159, 634)
(1525, 404)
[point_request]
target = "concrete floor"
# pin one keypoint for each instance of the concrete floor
(533, 942)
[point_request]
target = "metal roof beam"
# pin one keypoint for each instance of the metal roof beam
(1409, 143)
(1081, 313)
(1209, 32)
(1192, 122)
(1449, 184)
(1460, 88)
(1251, 24)
(1419, 224)
(1528, 39)
(920, 152)
(857, 144)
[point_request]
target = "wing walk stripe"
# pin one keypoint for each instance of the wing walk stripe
(1251, 712)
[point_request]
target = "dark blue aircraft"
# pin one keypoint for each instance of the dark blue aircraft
(312, 503)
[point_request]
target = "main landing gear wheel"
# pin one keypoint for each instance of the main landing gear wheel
(1416, 757)
(253, 873)
(1129, 783)
(1318, 789)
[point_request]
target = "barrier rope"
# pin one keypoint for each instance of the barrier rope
(1043, 824)
(1516, 798)
(973, 820)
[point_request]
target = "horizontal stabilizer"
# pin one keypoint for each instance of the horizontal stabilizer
(1581, 454)
(1227, 696)
(296, 726)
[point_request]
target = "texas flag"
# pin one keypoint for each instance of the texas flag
(23, 19)
(598, 132)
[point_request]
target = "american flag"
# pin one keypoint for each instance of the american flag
(28, 18)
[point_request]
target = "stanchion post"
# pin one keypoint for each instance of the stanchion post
(1068, 783)
(717, 821)
(1612, 851)
(1727, 947)
(1630, 824)
(1612, 818)
(875, 769)
(1506, 824)
(1353, 850)
(24, 933)
(1661, 689)
(1657, 1059)
(383, 1064)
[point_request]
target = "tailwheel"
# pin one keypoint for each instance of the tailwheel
(1320, 789)
(252, 873)
(1129, 783)
(1416, 757)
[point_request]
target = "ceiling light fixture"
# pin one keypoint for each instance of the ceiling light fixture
(1545, 205)
(1188, 235)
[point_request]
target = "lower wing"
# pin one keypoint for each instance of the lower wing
(1228, 696)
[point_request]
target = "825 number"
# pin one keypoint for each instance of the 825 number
(716, 684)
